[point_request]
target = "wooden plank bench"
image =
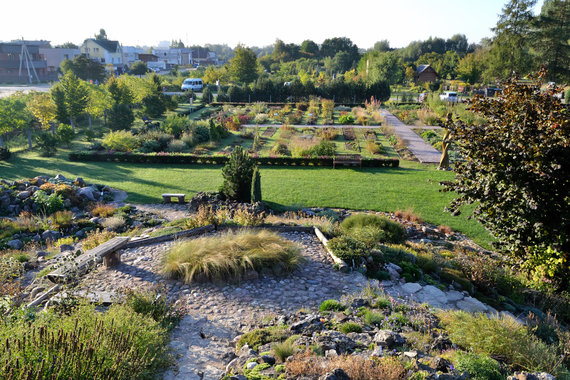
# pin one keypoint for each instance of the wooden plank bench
(347, 159)
(167, 198)
(108, 253)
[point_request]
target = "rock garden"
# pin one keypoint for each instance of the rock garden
(252, 294)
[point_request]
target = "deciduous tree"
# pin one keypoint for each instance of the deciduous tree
(516, 170)
(243, 66)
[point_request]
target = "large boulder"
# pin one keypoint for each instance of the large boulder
(15, 244)
(388, 339)
(87, 192)
(50, 235)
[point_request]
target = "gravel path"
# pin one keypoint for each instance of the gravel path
(218, 312)
(424, 152)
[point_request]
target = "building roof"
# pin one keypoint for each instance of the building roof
(110, 46)
(422, 68)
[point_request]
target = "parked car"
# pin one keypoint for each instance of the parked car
(192, 84)
(449, 96)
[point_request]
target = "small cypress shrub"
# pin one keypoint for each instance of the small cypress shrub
(256, 186)
(237, 174)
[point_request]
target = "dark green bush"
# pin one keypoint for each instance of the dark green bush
(324, 148)
(349, 327)
(5, 154)
(256, 186)
(47, 143)
(331, 305)
(377, 228)
(65, 134)
(237, 175)
(48, 204)
(153, 106)
(348, 248)
(120, 116)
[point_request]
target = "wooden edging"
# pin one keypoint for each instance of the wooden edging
(337, 260)
(169, 237)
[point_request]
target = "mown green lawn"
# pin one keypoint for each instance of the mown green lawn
(413, 186)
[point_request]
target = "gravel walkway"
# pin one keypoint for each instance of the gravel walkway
(424, 152)
(218, 312)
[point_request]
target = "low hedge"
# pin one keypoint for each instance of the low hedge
(185, 158)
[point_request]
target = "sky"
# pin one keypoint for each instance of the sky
(250, 22)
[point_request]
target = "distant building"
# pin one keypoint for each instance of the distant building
(172, 57)
(106, 52)
(203, 56)
(55, 56)
(152, 61)
(131, 54)
(21, 62)
(425, 73)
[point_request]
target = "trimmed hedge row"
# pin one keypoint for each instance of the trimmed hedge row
(184, 158)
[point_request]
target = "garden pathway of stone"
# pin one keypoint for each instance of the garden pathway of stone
(423, 151)
(216, 313)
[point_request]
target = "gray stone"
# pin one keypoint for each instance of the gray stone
(238, 377)
(24, 194)
(15, 244)
(336, 374)
(251, 365)
(66, 247)
(411, 287)
(453, 295)
(388, 339)
(268, 359)
(50, 235)
(431, 295)
(60, 177)
(86, 192)
(471, 305)
(531, 376)
(329, 354)
(79, 182)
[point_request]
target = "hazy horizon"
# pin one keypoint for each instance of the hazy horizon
(253, 22)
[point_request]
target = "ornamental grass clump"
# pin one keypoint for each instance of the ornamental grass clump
(372, 229)
(230, 255)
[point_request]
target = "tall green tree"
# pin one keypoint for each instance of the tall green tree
(551, 39)
(309, 48)
(14, 115)
(511, 48)
(76, 95)
(138, 68)
(516, 170)
(84, 68)
(243, 67)
(382, 67)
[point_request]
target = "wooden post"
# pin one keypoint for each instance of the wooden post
(112, 259)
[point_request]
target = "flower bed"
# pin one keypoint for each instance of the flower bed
(182, 158)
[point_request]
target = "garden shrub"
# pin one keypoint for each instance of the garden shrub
(230, 255)
(261, 118)
(176, 146)
(207, 96)
(150, 146)
(324, 148)
(48, 204)
(284, 349)
(373, 318)
(237, 175)
(256, 186)
(379, 228)
(346, 119)
(280, 148)
(174, 125)
(103, 210)
(97, 237)
(501, 336)
(65, 134)
(120, 116)
(5, 154)
(373, 148)
(327, 133)
(262, 336)
(92, 342)
(331, 305)
(47, 143)
(62, 219)
(153, 106)
(479, 367)
(121, 141)
(347, 248)
(349, 327)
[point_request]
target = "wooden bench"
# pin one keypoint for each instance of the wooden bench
(347, 159)
(167, 198)
(108, 253)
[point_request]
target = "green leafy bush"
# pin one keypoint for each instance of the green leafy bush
(324, 148)
(348, 248)
(349, 327)
(256, 186)
(479, 367)
(48, 204)
(153, 106)
(176, 146)
(174, 125)
(47, 143)
(65, 134)
(121, 141)
(373, 318)
(373, 229)
(347, 119)
(263, 336)
(331, 305)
